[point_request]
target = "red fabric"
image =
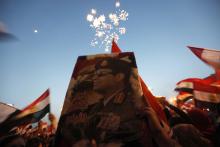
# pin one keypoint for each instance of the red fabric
(41, 98)
(150, 98)
(197, 51)
(210, 57)
(206, 87)
(115, 48)
(217, 75)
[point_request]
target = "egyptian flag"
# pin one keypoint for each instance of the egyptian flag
(150, 98)
(30, 114)
(210, 57)
(206, 92)
(186, 85)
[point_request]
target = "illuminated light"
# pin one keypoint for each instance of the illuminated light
(96, 23)
(172, 100)
(99, 34)
(90, 18)
(93, 11)
(101, 18)
(117, 4)
(35, 31)
(122, 30)
(107, 27)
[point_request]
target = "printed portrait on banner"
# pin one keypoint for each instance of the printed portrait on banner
(102, 101)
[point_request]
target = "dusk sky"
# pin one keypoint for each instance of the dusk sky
(51, 34)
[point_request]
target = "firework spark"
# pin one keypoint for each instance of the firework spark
(117, 4)
(107, 28)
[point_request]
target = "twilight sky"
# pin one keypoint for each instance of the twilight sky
(51, 34)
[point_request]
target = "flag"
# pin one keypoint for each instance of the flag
(150, 98)
(206, 92)
(210, 57)
(115, 48)
(4, 34)
(30, 114)
(6, 110)
(186, 85)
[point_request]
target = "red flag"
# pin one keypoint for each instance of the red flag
(206, 92)
(150, 98)
(186, 85)
(206, 89)
(115, 48)
(210, 57)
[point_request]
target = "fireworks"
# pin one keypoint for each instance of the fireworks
(117, 4)
(107, 28)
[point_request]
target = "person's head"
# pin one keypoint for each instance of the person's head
(51, 116)
(67, 128)
(35, 142)
(111, 73)
(189, 136)
(12, 141)
(200, 119)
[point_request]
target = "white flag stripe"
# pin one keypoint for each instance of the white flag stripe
(209, 55)
(185, 85)
(206, 96)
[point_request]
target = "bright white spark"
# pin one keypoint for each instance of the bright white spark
(107, 28)
(123, 15)
(114, 18)
(116, 36)
(93, 11)
(99, 34)
(117, 4)
(122, 30)
(35, 31)
(90, 18)
(101, 18)
(96, 23)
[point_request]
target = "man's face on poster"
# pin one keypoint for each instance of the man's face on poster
(104, 79)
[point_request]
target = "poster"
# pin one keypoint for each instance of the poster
(102, 102)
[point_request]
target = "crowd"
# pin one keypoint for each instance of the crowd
(31, 135)
(194, 128)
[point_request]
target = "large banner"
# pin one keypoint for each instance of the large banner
(102, 102)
